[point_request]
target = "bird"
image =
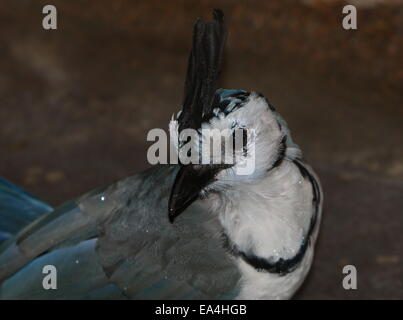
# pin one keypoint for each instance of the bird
(178, 231)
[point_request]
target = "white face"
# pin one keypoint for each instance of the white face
(264, 139)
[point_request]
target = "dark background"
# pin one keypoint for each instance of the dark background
(76, 104)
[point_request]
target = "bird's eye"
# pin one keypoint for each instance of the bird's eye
(240, 133)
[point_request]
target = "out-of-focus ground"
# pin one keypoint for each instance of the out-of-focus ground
(76, 105)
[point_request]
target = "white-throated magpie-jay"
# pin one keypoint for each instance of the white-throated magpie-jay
(191, 231)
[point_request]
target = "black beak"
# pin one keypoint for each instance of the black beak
(190, 180)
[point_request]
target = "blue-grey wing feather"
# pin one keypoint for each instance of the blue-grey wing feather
(134, 253)
(17, 209)
(185, 259)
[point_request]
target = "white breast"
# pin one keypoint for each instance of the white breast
(271, 219)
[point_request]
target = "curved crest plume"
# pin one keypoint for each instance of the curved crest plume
(203, 70)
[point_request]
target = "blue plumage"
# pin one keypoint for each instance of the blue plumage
(120, 247)
(17, 208)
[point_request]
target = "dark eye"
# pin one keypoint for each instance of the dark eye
(236, 134)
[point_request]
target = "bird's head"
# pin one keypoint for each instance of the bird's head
(223, 137)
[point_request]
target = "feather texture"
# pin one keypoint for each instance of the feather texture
(203, 70)
(17, 209)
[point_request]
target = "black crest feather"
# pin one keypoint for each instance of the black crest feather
(203, 70)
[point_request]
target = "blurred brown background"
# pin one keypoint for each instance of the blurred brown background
(76, 105)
